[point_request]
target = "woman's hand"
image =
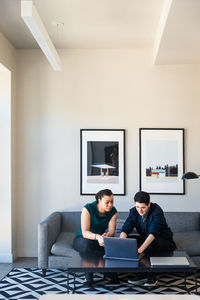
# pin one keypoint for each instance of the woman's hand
(100, 240)
(123, 235)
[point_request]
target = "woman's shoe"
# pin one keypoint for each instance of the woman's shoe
(88, 279)
(140, 278)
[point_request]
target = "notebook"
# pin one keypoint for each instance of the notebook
(117, 248)
(171, 261)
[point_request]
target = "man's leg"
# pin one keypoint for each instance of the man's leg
(157, 247)
(149, 279)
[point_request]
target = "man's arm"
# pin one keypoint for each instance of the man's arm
(146, 243)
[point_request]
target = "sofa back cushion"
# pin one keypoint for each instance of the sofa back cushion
(183, 221)
(71, 221)
(177, 221)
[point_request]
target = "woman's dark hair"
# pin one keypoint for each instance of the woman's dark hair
(142, 197)
(102, 193)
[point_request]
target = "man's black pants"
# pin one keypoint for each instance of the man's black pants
(158, 246)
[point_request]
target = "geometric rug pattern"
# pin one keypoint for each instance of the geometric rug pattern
(26, 283)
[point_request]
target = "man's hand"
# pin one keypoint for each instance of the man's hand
(140, 250)
(146, 243)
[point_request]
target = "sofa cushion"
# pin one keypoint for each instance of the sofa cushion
(188, 242)
(119, 224)
(63, 244)
(196, 260)
(183, 221)
(59, 262)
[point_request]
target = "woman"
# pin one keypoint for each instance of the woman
(98, 219)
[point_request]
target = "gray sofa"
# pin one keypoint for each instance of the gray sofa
(56, 233)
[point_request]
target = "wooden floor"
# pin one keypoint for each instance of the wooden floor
(23, 262)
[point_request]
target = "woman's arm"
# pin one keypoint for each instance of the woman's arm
(111, 226)
(85, 227)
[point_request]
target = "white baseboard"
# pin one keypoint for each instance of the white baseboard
(6, 258)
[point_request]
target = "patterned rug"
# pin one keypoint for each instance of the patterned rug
(29, 284)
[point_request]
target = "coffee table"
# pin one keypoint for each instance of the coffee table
(94, 262)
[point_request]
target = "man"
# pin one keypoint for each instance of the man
(155, 236)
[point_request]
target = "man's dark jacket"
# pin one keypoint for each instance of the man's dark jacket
(155, 223)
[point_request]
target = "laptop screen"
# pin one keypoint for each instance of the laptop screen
(118, 248)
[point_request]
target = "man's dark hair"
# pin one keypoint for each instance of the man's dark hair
(102, 193)
(142, 197)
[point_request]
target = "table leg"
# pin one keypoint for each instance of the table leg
(196, 283)
(67, 282)
(185, 286)
(74, 284)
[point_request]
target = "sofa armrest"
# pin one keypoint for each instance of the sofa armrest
(48, 231)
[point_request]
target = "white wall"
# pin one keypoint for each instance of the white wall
(5, 163)
(7, 157)
(95, 89)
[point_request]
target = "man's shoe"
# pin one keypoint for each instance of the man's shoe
(113, 278)
(151, 281)
(138, 279)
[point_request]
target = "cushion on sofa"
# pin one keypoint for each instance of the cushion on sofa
(183, 221)
(188, 241)
(119, 224)
(63, 244)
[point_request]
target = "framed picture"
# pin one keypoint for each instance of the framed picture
(102, 160)
(162, 160)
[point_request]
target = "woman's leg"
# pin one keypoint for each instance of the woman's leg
(86, 247)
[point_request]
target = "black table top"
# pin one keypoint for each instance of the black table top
(94, 262)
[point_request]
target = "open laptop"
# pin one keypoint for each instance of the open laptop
(121, 263)
(170, 261)
(117, 248)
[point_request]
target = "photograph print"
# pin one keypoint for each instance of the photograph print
(162, 160)
(102, 160)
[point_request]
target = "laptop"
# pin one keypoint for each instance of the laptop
(117, 248)
(170, 261)
(121, 263)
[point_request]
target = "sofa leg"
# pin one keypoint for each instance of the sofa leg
(43, 272)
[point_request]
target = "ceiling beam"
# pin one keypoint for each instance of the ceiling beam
(34, 23)
(161, 28)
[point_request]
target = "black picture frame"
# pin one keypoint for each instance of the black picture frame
(102, 161)
(161, 158)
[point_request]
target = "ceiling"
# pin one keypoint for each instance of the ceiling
(170, 27)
